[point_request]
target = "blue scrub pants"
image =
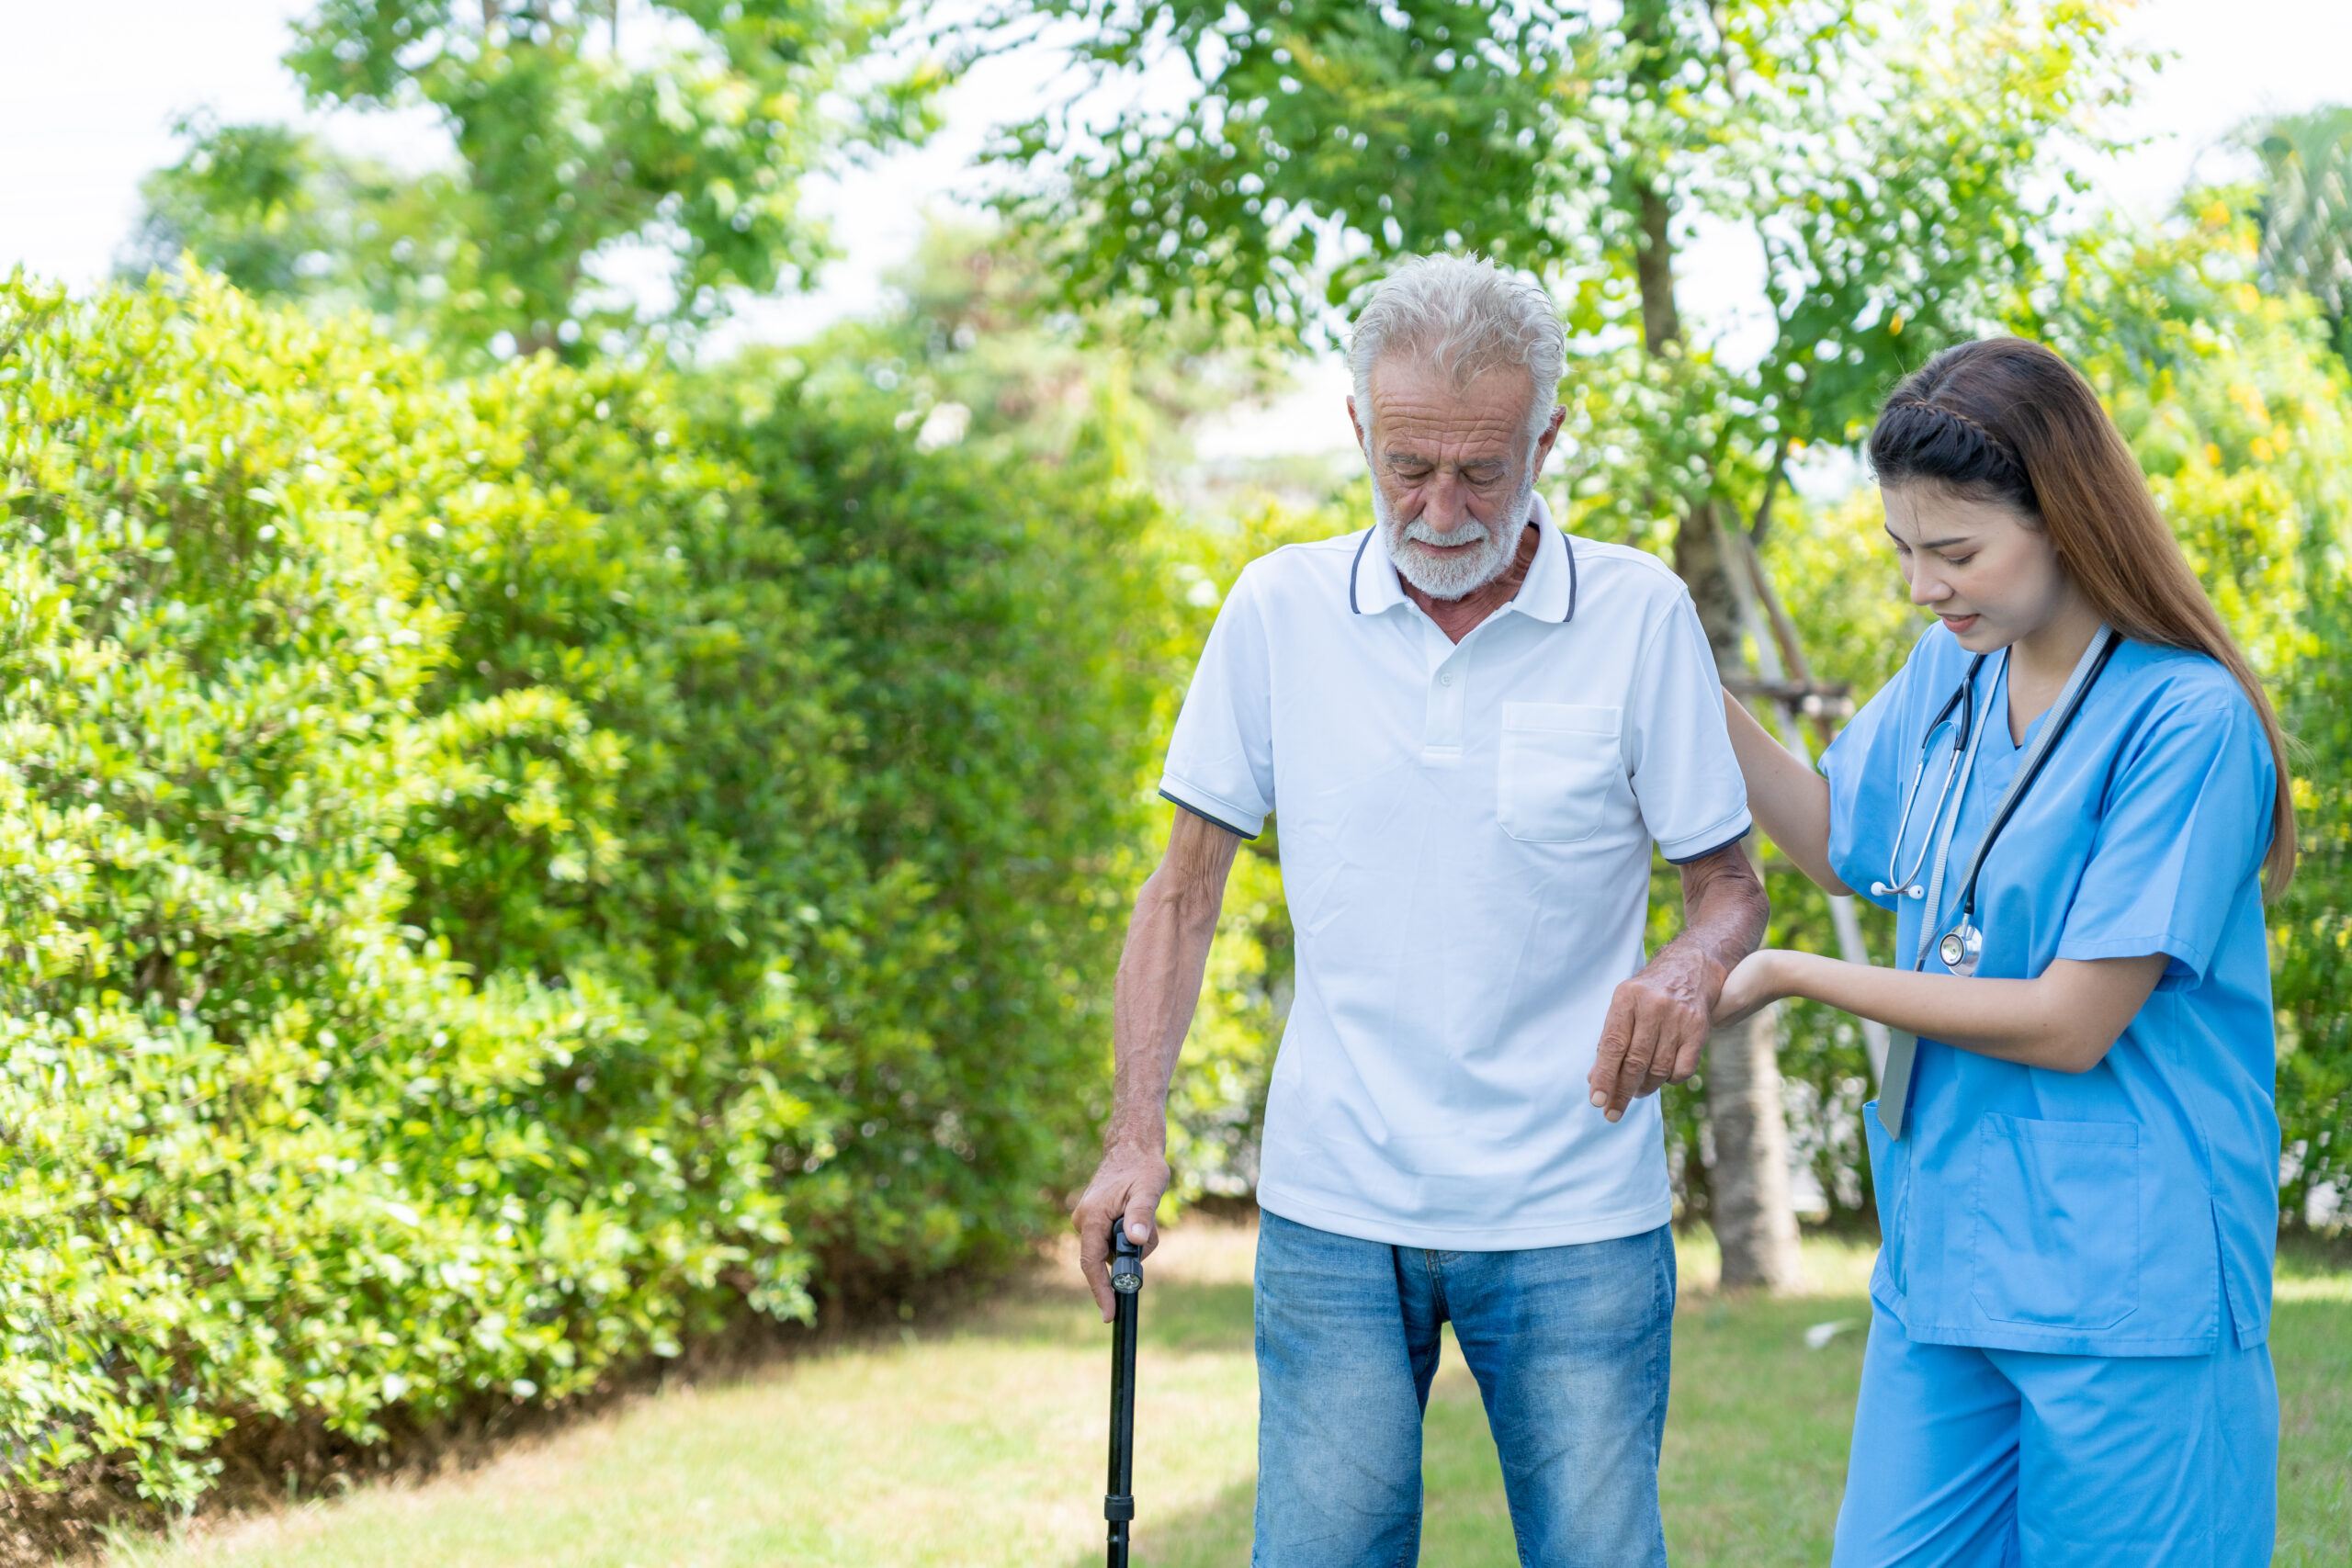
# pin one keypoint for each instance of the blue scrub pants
(2014, 1458)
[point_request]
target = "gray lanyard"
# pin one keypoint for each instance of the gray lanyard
(1903, 1048)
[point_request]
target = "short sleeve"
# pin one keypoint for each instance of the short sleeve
(1684, 774)
(2186, 826)
(1221, 757)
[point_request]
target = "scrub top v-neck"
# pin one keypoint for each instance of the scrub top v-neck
(2131, 1210)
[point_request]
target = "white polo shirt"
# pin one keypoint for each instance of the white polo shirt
(1465, 848)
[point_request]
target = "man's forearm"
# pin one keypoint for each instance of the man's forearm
(1158, 985)
(1723, 908)
(1656, 1025)
(1158, 991)
(1151, 1008)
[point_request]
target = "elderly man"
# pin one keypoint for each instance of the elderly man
(1473, 726)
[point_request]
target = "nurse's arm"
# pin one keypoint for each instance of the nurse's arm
(1788, 800)
(2066, 1018)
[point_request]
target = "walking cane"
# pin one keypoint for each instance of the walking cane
(1127, 1279)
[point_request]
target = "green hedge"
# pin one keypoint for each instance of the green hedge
(499, 877)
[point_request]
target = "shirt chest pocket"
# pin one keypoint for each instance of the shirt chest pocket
(1559, 769)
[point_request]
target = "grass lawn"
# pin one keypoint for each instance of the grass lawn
(980, 1443)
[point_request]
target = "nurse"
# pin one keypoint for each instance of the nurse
(2074, 796)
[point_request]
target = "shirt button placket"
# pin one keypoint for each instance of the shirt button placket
(1441, 733)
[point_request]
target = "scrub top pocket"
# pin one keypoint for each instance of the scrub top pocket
(2057, 1234)
(1560, 762)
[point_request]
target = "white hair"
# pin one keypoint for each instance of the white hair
(1462, 316)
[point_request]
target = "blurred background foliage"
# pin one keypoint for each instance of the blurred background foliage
(526, 839)
(664, 145)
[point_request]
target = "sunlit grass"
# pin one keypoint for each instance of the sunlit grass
(980, 1442)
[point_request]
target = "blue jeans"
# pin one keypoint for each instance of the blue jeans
(1570, 1347)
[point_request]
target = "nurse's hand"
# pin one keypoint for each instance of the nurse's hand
(1754, 984)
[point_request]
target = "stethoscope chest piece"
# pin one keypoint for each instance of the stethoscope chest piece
(1963, 945)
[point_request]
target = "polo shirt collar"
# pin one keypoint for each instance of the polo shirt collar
(1547, 594)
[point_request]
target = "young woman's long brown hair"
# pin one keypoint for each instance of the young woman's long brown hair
(2010, 421)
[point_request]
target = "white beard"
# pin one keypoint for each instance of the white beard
(1482, 555)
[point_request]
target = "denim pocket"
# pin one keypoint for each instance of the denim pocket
(2057, 1240)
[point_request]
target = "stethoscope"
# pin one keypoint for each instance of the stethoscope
(1959, 712)
(1962, 945)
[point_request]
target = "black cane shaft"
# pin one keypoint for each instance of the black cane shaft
(1123, 1421)
(1119, 1503)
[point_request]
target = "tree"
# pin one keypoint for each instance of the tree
(582, 152)
(1889, 176)
(982, 346)
(269, 209)
(2305, 211)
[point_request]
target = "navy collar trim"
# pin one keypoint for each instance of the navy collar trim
(1355, 568)
(1569, 541)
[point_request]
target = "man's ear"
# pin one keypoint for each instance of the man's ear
(1544, 441)
(1365, 442)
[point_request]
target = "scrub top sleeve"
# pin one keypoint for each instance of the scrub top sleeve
(1221, 757)
(2185, 825)
(1678, 746)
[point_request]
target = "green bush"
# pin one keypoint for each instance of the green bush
(274, 1155)
(502, 876)
(1006, 633)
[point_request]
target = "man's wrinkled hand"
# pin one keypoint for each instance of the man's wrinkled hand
(1656, 1027)
(1125, 1190)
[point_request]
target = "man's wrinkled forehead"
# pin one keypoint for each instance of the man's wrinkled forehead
(1419, 410)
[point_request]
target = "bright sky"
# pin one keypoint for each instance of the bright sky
(89, 91)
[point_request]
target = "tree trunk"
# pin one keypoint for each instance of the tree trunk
(1754, 1222)
(1705, 565)
(1753, 1219)
(1653, 271)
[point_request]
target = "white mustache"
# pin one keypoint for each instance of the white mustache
(1468, 532)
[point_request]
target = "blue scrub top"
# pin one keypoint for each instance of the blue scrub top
(2131, 1210)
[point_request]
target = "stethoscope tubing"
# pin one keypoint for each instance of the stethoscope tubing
(1963, 699)
(1962, 945)
(2110, 641)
